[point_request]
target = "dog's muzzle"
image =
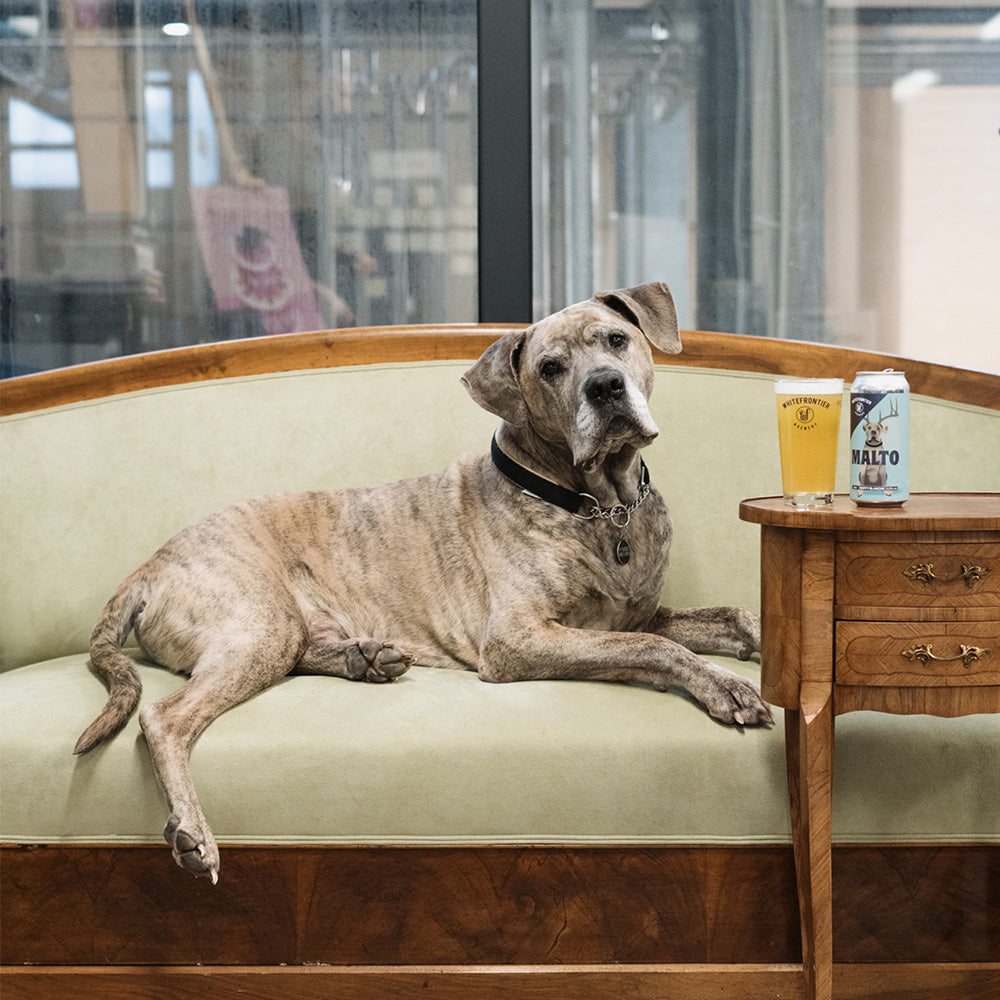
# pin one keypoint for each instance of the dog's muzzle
(612, 413)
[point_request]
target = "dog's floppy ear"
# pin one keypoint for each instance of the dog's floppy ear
(651, 308)
(492, 380)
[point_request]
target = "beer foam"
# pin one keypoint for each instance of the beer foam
(808, 386)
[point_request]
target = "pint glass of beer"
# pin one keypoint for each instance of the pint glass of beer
(808, 425)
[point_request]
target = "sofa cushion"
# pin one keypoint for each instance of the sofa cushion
(441, 757)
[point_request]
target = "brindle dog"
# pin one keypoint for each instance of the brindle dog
(550, 568)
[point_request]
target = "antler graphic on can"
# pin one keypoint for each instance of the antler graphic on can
(875, 429)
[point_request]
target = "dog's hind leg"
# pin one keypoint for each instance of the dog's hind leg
(224, 677)
(361, 659)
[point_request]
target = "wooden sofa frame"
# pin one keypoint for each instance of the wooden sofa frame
(912, 921)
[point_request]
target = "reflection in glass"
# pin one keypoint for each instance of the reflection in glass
(819, 171)
(130, 131)
(814, 170)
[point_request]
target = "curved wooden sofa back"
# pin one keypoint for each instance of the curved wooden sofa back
(375, 345)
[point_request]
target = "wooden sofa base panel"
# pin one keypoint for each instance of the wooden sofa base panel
(490, 906)
(718, 982)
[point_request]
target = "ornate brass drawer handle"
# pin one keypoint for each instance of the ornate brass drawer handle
(924, 572)
(924, 653)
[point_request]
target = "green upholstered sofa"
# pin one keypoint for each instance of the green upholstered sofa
(373, 833)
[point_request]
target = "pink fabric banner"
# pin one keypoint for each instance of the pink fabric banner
(252, 256)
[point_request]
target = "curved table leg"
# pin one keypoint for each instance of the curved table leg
(809, 759)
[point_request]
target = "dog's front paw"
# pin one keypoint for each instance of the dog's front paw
(193, 846)
(737, 701)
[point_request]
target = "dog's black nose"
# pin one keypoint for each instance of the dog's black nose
(604, 386)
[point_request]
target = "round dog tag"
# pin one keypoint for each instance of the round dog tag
(623, 552)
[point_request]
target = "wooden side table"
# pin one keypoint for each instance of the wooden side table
(890, 610)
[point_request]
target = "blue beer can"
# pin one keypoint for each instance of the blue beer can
(880, 439)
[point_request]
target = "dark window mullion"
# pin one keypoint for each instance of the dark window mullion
(504, 89)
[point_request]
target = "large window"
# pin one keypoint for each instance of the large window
(175, 171)
(182, 172)
(818, 171)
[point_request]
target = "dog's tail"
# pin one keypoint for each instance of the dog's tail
(113, 666)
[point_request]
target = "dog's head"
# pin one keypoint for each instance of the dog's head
(874, 432)
(582, 376)
(875, 429)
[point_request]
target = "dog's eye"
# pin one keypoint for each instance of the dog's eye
(550, 369)
(617, 340)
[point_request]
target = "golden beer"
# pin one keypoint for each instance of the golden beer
(808, 427)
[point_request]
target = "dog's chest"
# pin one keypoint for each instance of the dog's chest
(632, 559)
(584, 576)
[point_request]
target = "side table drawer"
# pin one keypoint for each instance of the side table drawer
(928, 654)
(918, 574)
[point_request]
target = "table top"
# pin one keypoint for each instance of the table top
(922, 512)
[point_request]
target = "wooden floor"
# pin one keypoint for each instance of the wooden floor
(851, 982)
(538, 922)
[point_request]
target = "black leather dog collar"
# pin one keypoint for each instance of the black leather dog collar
(583, 505)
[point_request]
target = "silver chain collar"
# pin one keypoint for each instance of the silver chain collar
(620, 514)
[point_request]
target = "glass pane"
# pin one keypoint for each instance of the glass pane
(43, 168)
(159, 115)
(159, 168)
(913, 198)
(615, 87)
(258, 167)
(31, 126)
(820, 171)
